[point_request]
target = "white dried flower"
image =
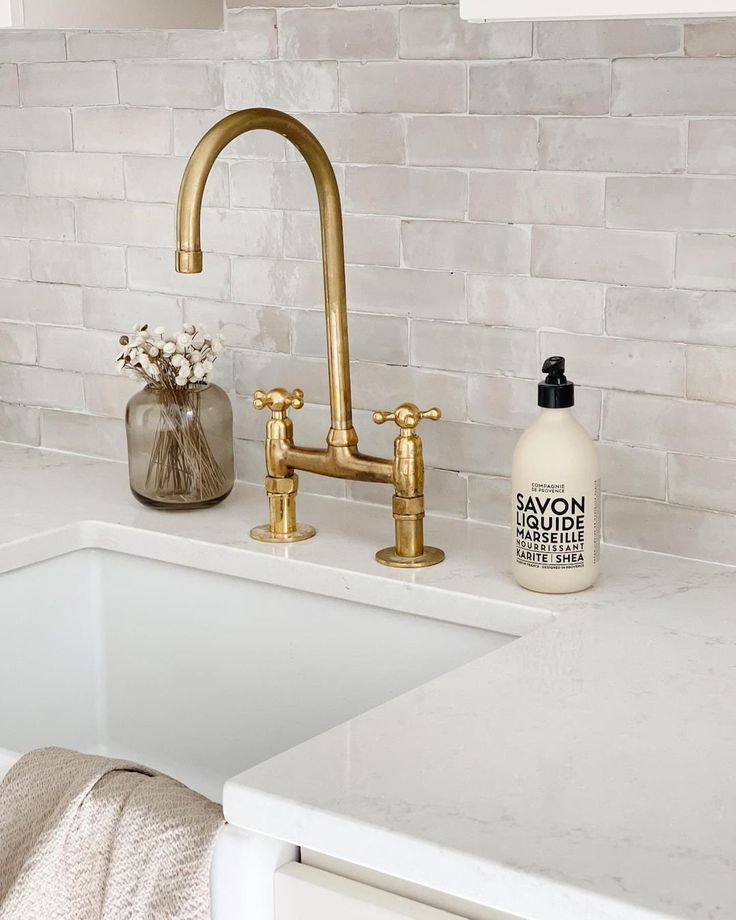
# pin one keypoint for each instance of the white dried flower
(189, 329)
(181, 381)
(217, 347)
(198, 372)
(177, 360)
(207, 365)
(159, 330)
(153, 351)
(195, 357)
(169, 348)
(184, 340)
(184, 371)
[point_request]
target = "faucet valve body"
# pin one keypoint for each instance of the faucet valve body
(282, 484)
(408, 501)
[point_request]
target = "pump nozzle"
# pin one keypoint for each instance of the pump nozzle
(555, 369)
(556, 391)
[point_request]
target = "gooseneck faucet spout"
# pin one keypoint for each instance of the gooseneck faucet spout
(189, 249)
(341, 457)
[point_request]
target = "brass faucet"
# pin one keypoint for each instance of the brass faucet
(341, 457)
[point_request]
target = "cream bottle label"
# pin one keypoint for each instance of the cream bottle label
(557, 528)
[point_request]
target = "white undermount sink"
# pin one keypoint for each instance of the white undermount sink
(200, 675)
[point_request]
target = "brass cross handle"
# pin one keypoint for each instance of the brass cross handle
(407, 416)
(278, 399)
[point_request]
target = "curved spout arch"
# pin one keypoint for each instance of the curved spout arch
(189, 251)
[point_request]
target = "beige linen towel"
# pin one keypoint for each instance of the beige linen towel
(90, 838)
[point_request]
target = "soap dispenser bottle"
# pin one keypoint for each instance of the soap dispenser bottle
(556, 494)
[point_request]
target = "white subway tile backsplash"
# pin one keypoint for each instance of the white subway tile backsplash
(681, 426)
(633, 471)
(706, 261)
(35, 129)
(673, 86)
(670, 529)
(500, 204)
(712, 146)
(296, 86)
(405, 292)
(13, 174)
(437, 32)
(404, 86)
(474, 349)
(243, 326)
(537, 198)
(83, 434)
(15, 260)
(76, 175)
(671, 316)
(540, 88)
(120, 311)
(669, 203)
(78, 263)
(406, 191)
(493, 142)
(40, 386)
(17, 343)
(369, 240)
(82, 350)
(535, 303)
(18, 47)
(335, 34)
(92, 83)
(179, 84)
(700, 482)
(37, 218)
(114, 129)
(107, 395)
(612, 38)
(716, 38)
(496, 248)
(613, 256)
(40, 303)
(153, 270)
(125, 223)
(20, 424)
(277, 282)
(115, 46)
(651, 145)
(711, 374)
(8, 84)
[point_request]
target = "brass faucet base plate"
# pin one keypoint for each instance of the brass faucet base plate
(264, 534)
(430, 556)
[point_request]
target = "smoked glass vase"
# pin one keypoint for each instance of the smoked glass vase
(180, 446)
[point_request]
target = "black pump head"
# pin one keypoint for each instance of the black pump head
(556, 391)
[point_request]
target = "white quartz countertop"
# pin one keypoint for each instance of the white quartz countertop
(586, 771)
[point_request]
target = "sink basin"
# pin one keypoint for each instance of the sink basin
(197, 674)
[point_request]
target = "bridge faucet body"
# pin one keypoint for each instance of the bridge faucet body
(340, 457)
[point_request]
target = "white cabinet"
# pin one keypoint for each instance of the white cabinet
(305, 893)
(592, 9)
(111, 14)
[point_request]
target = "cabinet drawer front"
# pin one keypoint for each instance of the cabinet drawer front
(304, 893)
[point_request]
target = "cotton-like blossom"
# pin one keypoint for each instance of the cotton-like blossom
(170, 360)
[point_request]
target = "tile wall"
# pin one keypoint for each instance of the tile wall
(510, 191)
